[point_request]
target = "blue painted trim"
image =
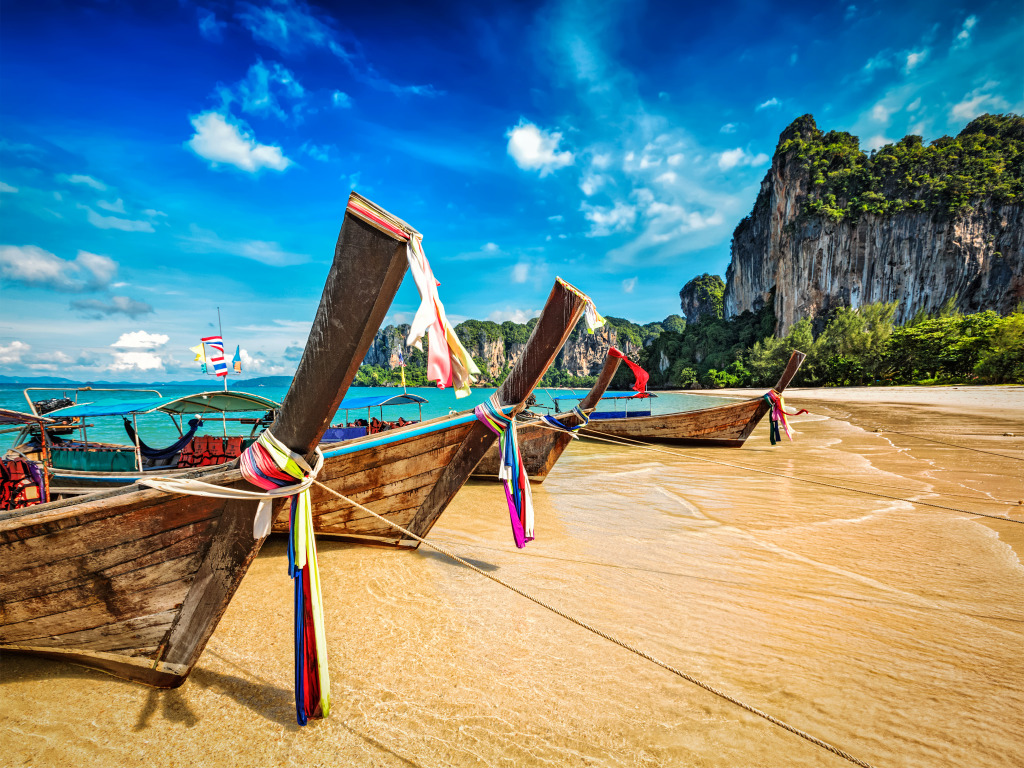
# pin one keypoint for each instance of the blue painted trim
(395, 435)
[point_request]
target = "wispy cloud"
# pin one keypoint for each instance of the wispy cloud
(141, 340)
(88, 181)
(113, 222)
(228, 143)
(979, 101)
(292, 28)
(605, 220)
(262, 91)
(269, 253)
(740, 157)
(115, 305)
(31, 265)
(629, 284)
(513, 314)
(963, 37)
(209, 27)
(769, 104)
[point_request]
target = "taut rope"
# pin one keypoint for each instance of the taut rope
(621, 643)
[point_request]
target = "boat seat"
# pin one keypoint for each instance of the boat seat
(18, 486)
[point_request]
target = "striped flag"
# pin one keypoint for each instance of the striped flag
(220, 366)
(401, 363)
(236, 363)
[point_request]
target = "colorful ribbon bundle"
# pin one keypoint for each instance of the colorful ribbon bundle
(583, 421)
(510, 469)
(776, 414)
(269, 464)
(641, 375)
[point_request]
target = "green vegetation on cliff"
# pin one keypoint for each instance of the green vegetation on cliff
(985, 160)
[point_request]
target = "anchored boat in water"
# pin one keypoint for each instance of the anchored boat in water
(724, 425)
(76, 465)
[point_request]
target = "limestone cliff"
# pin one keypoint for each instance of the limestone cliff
(582, 355)
(910, 239)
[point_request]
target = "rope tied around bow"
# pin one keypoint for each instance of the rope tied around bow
(584, 419)
(269, 464)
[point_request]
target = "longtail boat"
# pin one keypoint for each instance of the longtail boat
(409, 475)
(723, 425)
(75, 466)
(133, 582)
(541, 443)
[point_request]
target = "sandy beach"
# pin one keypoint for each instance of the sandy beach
(888, 623)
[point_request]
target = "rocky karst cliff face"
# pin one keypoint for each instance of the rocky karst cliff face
(582, 355)
(918, 258)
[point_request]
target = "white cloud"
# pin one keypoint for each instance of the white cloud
(772, 102)
(521, 272)
(592, 182)
(604, 221)
(220, 141)
(601, 161)
(739, 157)
(7, 188)
(490, 248)
(877, 141)
(914, 58)
(265, 252)
(556, 217)
(629, 284)
(535, 149)
(881, 60)
(31, 265)
(880, 113)
(675, 159)
(136, 361)
(914, 105)
(88, 181)
(728, 128)
(520, 316)
(978, 102)
(341, 100)
(115, 207)
(141, 340)
(963, 37)
(13, 352)
(112, 222)
(668, 177)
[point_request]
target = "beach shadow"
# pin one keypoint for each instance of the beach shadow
(432, 555)
(174, 707)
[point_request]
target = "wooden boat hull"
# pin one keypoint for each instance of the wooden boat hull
(425, 465)
(139, 585)
(394, 483)
(725, 425)
(134, 582)
(540, 448)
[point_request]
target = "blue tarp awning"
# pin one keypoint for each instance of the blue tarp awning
(354, 403)
(609, 396)
(202, 402)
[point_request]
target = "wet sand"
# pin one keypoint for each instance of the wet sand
(891, 629)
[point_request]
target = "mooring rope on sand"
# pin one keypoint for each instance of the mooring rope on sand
(621, 643)
(883, 430)
(630, 442)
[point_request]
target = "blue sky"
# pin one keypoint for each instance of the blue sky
(160, 160)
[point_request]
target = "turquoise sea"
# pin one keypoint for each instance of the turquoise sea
(158, 429)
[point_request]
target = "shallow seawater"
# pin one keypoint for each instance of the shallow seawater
(890, 629)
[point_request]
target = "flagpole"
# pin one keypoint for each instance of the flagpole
(220, 329)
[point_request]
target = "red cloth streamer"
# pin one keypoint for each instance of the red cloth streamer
(641, 375)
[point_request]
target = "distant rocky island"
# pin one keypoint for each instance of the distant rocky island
(900, 265)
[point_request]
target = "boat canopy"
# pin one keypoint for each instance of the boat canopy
(609, 396)
(202, 402)
(355, 403)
